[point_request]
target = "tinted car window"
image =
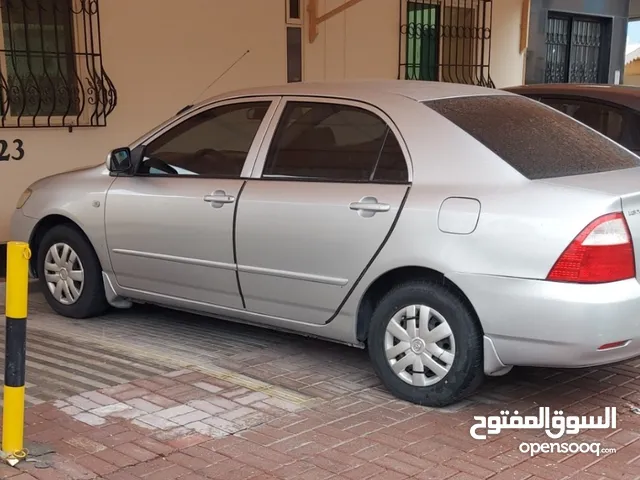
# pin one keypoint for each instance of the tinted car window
(536, 140)
(606, 119)
(631, 134)
(214, 143)
(323, 141)
(391, 166)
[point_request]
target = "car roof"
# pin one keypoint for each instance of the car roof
(622, 94)
(373, 91)
(364, 90)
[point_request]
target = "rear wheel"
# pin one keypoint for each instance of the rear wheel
(70, 274)
(425, 345)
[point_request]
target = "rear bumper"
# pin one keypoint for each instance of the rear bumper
(549, 324)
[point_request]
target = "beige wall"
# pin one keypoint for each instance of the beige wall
(632, 73)
(507, 63)
(161, 57)
(633, 80)
(362, 42)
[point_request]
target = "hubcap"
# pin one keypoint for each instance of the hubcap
(64, 273)
(419, 345)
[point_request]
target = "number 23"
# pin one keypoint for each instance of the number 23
(4, 146)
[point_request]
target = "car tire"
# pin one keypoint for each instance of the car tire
(459, 373)
(83, 296)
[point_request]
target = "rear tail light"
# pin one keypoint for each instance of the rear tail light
(602, 252)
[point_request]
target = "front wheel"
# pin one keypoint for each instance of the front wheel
(425, 345)
(70, 273)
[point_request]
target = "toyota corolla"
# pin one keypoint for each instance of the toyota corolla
(454, 231)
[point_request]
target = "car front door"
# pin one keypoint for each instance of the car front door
(321, 203)
(169, 227)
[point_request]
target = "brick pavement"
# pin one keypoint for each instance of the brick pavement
(207, 399)
(190, 425)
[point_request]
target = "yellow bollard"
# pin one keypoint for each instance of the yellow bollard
(18, 255)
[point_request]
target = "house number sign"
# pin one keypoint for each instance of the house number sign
(11, 151)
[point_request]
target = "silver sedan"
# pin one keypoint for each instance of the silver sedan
(454, 231)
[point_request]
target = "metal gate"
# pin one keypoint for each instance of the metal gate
(446, 40)
(575, 50)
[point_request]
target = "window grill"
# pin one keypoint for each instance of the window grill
(446, 40)
(51, 72)
(576, 49)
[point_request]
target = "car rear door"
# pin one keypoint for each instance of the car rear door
(323, 199)
(169, 227)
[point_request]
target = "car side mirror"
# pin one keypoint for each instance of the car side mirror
(119, 160)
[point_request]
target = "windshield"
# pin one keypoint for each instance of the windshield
(536, 140)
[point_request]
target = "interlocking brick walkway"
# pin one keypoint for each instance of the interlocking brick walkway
(150, 393)
(191, 425)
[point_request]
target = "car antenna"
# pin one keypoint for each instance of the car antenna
(187, 107)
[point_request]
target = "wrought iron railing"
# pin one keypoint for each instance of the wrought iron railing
(446, 40)
(51, 71)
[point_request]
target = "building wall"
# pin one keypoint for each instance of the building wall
(364, 42)
(618, 10)
(632, 73)
(160, 58)
(507, 62)
(633, 80)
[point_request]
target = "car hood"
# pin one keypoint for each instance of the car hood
(73, 175)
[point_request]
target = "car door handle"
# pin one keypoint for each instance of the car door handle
(219, 198)
(370, 206)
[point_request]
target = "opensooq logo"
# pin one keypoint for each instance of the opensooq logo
(555, 426)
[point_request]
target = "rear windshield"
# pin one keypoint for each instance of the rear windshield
(536, 140)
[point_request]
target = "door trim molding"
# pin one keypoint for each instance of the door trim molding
(176, 259)
(339, 282)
